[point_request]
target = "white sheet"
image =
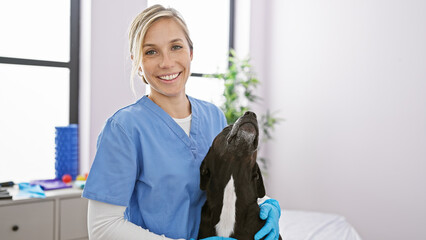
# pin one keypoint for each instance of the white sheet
(303, 225)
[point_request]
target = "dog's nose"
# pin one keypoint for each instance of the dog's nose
(250, 113)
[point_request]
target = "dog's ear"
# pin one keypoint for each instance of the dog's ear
(204, 175)
(258, 180)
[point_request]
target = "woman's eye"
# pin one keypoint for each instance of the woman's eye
(176, 47)
(150, 52)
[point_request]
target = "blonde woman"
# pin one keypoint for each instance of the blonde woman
(144, 181)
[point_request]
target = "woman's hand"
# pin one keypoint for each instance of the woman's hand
(271, 211)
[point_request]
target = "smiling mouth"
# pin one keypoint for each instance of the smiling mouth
(169, 77)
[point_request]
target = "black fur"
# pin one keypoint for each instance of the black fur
(233, 154)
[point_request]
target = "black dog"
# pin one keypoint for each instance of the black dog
(233, 182)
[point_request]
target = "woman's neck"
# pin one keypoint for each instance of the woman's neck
(176, 106)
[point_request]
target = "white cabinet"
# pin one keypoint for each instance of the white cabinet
(62, 215)
(27, 221)
(73, 220)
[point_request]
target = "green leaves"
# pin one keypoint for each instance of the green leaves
(267, 122)
(240, 84)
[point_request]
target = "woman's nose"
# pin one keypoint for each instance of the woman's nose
(166, 61)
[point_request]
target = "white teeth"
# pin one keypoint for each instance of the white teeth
(169, 77)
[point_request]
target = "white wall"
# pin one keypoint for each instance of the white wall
(105, 67)
(349, 77)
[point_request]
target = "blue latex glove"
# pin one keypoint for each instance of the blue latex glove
(31, 191)
(271, 211)
(216, 238)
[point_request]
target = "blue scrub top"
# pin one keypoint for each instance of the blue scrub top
(147, 162)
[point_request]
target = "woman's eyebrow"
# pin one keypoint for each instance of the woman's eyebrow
(148, 45)
(176, 40)
(171, 41)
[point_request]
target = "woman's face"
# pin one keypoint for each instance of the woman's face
(166, 58)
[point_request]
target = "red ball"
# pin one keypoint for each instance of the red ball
(66, 178)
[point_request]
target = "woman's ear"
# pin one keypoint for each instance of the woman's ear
(131, 57)
(190, 54)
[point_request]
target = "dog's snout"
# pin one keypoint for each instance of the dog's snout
(251, 114)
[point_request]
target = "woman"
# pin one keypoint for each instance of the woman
(149, 153)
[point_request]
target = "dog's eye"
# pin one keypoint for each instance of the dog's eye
(205, 172)
(256, 176)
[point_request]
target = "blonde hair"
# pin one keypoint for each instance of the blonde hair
(139, 27)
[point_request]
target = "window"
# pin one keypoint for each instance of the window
(39, 50)
(210, 24)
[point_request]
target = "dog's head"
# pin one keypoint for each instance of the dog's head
(234, 152)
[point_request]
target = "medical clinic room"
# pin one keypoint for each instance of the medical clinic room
(213, 119)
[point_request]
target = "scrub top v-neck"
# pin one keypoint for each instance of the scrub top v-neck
(147, 162)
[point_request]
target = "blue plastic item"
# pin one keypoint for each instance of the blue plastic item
(66, 151)
(50, 184)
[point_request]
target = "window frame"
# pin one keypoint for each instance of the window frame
(73, 64)
(231, 40)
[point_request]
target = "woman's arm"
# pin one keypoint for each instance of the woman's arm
(106, 221)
